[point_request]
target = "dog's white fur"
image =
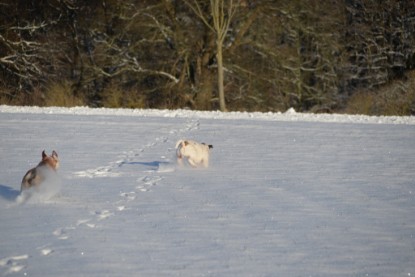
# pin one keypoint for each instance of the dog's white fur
(195, 153)
(35, 176)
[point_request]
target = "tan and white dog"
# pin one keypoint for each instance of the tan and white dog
(35, 176)
(195, 153)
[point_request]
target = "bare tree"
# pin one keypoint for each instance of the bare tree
(262, 55)
(114, 51)
(221, 12)
(379, 40)
(20, 54)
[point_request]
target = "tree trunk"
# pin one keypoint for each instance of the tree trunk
(221, 90)
(204, 81)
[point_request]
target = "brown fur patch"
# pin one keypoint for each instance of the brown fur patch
(34, 176)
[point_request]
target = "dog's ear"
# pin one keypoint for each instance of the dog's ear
(210, 146)
(178, 143)
(185, 142)
(44, 155)
(54, 154)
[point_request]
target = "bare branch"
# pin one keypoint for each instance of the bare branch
(198, 11)
(30, 27)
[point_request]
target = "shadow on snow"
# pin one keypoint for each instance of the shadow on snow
(8, 193)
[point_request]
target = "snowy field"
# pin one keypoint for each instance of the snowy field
(286, 194)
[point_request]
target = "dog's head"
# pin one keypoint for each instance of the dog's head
(180, 147)
(210, 146)
(181, 143)
(50, 161)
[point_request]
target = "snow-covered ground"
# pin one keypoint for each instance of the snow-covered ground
(286, 194)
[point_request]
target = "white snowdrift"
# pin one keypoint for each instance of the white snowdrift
(289, 115)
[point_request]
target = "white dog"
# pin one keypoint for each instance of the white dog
(196, 154)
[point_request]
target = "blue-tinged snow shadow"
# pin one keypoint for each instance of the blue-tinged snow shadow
(150, 164)
(8, 193)
(159, 166)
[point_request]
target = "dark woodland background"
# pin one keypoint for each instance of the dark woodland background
(351, 56)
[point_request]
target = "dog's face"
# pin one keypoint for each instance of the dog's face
(182, 149)
(50, 161)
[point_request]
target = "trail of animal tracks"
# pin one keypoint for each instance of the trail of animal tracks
(282, 196)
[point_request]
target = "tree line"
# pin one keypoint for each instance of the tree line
(250, 55)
